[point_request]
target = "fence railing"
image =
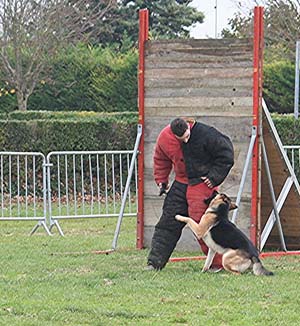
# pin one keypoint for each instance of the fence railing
(23, 187)
(65, 185)
(293, 153)
(89, 184)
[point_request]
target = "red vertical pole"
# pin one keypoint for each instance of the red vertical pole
(143, 37)
(257, 102)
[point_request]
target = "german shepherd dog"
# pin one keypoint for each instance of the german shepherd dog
(223, 237)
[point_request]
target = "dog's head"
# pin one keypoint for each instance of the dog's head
(220, 203)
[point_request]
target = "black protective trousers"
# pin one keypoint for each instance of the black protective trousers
(168, 230)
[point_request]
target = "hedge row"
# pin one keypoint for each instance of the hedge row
(288, 128)
(80, 131)
(43, 131)
(68, 115)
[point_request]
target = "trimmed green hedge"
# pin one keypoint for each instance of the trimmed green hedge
(67, 115)
(45, 131)
(288, 128)
(79, 131)
(279, 84)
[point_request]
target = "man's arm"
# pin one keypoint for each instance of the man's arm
(162, 166)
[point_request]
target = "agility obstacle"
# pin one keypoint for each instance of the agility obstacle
(219, 82)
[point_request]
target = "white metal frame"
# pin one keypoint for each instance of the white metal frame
(87, 184)
(292, 179)
(22, 180)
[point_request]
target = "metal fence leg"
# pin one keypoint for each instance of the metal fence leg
(51, 221)
(43, 224)
(55, 223)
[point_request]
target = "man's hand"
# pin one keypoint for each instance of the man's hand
(207, 182)
(162, 188)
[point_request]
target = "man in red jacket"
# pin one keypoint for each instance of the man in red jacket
(201, 158)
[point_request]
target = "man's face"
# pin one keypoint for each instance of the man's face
(186, 136)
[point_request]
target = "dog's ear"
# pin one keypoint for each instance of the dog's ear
(209, 199)
(233, 206)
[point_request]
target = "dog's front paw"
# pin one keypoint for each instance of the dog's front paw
(180, 218)
(204, 269)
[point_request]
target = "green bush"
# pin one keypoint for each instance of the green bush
(47, 131)
(90, 79)
(288, 128)
(114, 82)
(66, 115)
(279, 81)
(89, 131)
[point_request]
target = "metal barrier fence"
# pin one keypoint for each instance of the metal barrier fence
(293, 153)
(23, 187)
(89, 184)
(65, 185)
(72, 185)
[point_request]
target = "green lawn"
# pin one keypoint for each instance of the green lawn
(59, 281)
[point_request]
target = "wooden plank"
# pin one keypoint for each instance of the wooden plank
(195, 64)
(188, 91)
(200, 81)
(173, 50)
(198, 102)
(184, 73)
(220, 46)
(222, 111)
(175, 59)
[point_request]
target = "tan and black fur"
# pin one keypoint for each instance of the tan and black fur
(223, 237)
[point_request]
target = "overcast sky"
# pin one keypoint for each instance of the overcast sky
(225, 10)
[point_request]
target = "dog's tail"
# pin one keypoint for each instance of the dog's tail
(258, 268)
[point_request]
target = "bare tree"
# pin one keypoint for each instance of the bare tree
(282, 23)
(32, 31)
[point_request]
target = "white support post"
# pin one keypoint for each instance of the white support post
(243, 180)
(296, 97)
(132, 163)
(272, 218)
(275, 210)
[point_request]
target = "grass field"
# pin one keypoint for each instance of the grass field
(60, 281)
